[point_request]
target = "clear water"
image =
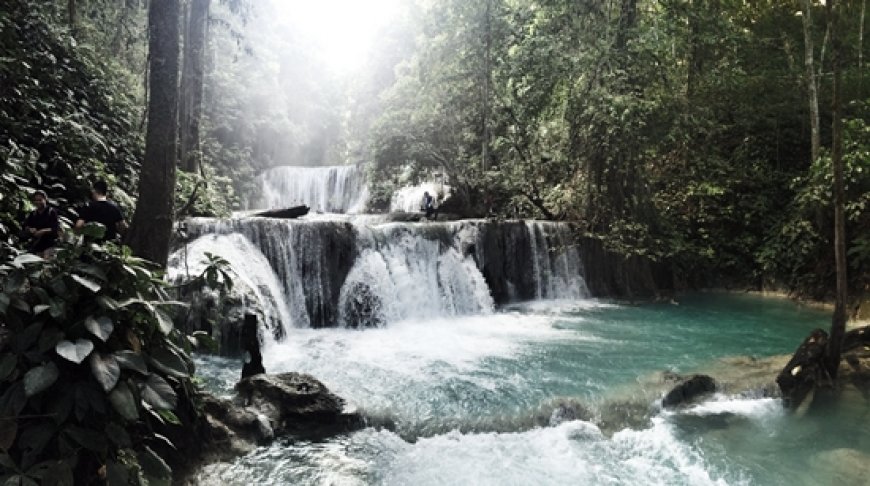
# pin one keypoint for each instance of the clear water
(476, 400)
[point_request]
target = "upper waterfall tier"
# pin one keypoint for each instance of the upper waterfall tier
(350, 273)
(337, 189)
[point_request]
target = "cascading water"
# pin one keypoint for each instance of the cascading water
(401, 273)
(336, 189)
(252, 273)
(346, 274)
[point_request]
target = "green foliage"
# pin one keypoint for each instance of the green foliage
(798, 247)
(90, 367)
(196, 196)
(675, 130)
(66, 117)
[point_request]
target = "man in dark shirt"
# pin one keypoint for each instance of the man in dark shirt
(41, 225)
(102, 210)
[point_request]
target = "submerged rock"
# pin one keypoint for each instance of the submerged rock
(843, 466)
(689, 390)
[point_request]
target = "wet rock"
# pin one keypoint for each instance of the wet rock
(265, 408)
(567, 411)
(804, 372)
(403, 217)
(689, 391)
(297, 404)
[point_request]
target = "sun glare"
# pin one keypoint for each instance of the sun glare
(344, 29)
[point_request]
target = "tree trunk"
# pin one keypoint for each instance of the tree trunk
(195, 33)
(861, 46)
(123, 19)
(812, 91)
(838, 322)
(152, 221)
(72, 14)
(487, 75)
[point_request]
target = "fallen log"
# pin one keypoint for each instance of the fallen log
(286, 213)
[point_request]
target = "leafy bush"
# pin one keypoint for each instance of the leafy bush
(91, 368)
(67, 116)
(798, 251)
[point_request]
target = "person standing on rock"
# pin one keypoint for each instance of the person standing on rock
(428, 205)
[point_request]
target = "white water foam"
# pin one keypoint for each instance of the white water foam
(760, 409)
(411, 277)
(572, 453)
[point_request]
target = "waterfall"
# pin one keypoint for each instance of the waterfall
(337, 189)
(252, 273)
(357, 273)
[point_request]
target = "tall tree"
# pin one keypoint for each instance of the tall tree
(812, 92)
(861, 44)
(152, 222)
(838, 322)
(195, 34)
(487, 80)
(72, 14)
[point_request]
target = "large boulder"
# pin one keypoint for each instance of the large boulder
(806, 371)
(802, 374)
(297, 404)
(265, 408)
(689, 391)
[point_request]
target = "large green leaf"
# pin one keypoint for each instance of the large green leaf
(93, 230)
(7, 462)
(38, 379)
(59, 473)
(118, 435)
(100, 327)
(107, 302)
(26, 259)
(57, 308)
(117, 474)
(169, 362)
(20, 480)
(7, 365)
(131, 360)
(153, 465)
(124, 402)
(106, 370)
(75, 352)
(13, 400)
(28, 337)
(49, 339)
(86, 283)
(4, 303)
(33, 439)
(8, 432)
(164, 322)
(87, 438)
(157, 393)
